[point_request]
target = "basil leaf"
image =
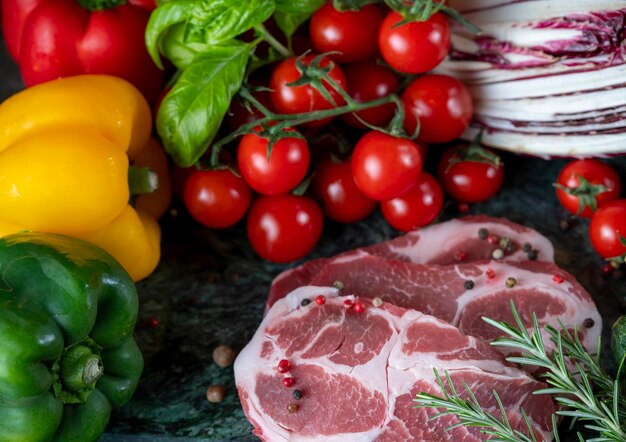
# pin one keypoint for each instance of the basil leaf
(191, 113)
(299, 6)
(161, 19)
(289, 22)
(174, 48)
(215, 21)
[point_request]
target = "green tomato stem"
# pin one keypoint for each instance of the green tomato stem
(273, 42)
(296, 119)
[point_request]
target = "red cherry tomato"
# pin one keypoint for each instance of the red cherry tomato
(287, 165)
(353, 34)
(467, 179)
(417, 207)
(366, 82)
(415, 47)
(384, 166)
(443, 105)
(283, 228)
(608, 229)
(299, 99)
(582, 196)
(216, 198)
(341, 198)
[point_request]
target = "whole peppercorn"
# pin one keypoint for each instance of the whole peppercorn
(359, 307)
(305, 302)
(215, 394)
(223, 355)
(297, 395)
(292, 408)
(527, 247)
(377, 302)
(469, 285)
(320, 300)
(511, 282)
(497, 254)
(483, 233)
(532, 255)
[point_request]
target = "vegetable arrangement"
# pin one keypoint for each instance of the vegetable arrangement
(66, 338)
(251, 78)
(65, 153)
(587, 393)
(546, 76)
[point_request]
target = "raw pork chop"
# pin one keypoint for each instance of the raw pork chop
(357, 374)
(444, 243)
(462, 293)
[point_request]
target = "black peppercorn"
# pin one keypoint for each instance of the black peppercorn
(469, 285)
(297, 395)
(483, 233)
(527, 248)
(588, 323)
(305, 302)
(532, 255)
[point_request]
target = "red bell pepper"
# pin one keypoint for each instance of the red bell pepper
(59, 38)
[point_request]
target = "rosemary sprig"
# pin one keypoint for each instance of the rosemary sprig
(470, 412)
(602, 411)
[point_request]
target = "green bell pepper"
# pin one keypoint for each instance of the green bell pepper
(67, 351)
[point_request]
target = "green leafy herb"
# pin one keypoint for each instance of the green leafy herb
(191, 113)
(299, 6)
(208, 22)
(602, 410)
(288, 22)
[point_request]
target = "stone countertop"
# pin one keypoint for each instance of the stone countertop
(210, 289)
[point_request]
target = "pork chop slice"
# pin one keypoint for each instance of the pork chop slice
(449, 242)
(356, 374)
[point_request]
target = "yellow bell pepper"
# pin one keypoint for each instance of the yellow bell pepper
(65, 151)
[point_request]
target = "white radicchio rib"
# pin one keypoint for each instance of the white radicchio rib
(548, 77)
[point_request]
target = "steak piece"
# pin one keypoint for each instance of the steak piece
(449, 242)
(462, 294)
(357, 374)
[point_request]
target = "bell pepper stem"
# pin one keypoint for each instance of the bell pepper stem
(99, 5)
(142, 180)
(80, 368)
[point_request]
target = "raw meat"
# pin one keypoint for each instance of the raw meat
(441, 291)
(359, 372)
(444, 243)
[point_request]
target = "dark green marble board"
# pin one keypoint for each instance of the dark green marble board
(210, 289)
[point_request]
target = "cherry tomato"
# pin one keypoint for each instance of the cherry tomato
(285, 169)
(368, 81)
(283, 228)
(608, 229)
(417, 207)
(353, 34)
(216, 198)
(415, 47)
(299, 99)
(443, 105)
(384, 166)
(582, 178)
(468, 176)
(341, 198)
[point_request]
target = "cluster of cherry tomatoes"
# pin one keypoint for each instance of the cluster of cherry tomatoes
(591, 189)
(384, 168)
